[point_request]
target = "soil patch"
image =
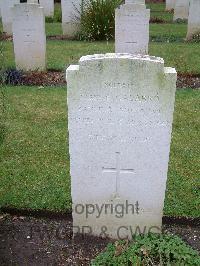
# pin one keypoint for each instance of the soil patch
(39, 241)
(54, 78)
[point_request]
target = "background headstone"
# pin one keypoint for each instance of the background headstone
(29, 37)
(32, 2)
(122, 106)
(6, 13)
(132, 28)
(70, 12)
(181, 9)
(48, 6)
(170, 4)
(193, 19)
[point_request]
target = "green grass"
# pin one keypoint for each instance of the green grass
(158, 11)
(53, 29)
(34, 159)
(34, 156)
(178, 30)
(168, 30)
(183, 56)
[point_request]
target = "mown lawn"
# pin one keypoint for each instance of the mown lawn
(184, 57)
(34, 158)
(168, 30)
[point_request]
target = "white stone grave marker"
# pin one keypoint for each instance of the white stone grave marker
(193, 19)
(29, 37)
(181, 9)
(70, 13)
(120, 112)
(48, 6)
(170, 4)
(132, 28)
(6, 13)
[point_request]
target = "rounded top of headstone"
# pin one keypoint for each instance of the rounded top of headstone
(121, 56)
(134, 1)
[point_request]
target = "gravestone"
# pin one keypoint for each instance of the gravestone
(193, 19)
(120, 111)
(181, 9)
(70, 14)
(170, 4)
(132, 28)
(32, 2)
(6, 13)
(29, 37)
(48, 6)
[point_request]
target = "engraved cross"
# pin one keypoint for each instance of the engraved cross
(118, 171)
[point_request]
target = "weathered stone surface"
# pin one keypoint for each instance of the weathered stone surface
(29, 37)
(170, 4)
(48, 6)
(181, 9)
(32, 1)
(70, 14)
(193, 19)
(6, 13)
(132, 29)
(120, 111)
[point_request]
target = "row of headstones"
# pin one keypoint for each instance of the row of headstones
(131, 31)
(7, 16)
(186, 10)
(69, 25)
(183, 9)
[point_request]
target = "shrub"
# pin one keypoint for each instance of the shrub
(97, 19)
(49, 19)
(152, 249)
(196, 38)
(12, 76)
(181, 21)
(57, 14)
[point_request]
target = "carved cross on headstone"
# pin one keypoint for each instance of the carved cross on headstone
(118, 171)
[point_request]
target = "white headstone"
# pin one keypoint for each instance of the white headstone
(132, 29)
(135, 2)
(6, 13)
(70, 12)
(32, 2)
(170, 4)
(181, 9)
(193, 19)
(29, 37)
(48, 6)
(120, 120)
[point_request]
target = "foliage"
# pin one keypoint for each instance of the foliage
(181, 21)
(49, 19)
(98, 19)
(12, 76)
(57, 13)
(166, 38)
(196, 38)
(152, 249)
